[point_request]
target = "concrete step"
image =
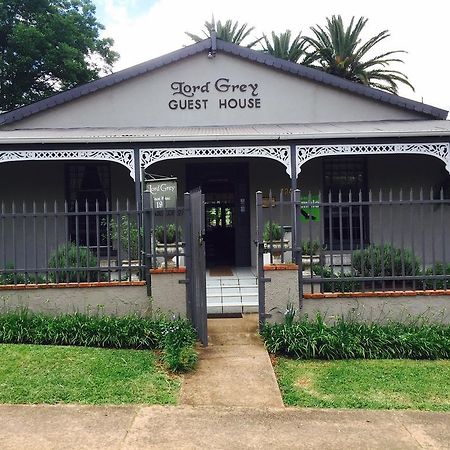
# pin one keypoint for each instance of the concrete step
(243, 294)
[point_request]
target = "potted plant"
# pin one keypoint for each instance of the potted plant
(273, 243)
(168, 242)
(310, 253)
(125, 233)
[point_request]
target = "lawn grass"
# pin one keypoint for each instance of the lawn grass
(53, 374)
(371, 384)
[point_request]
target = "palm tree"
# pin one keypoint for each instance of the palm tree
(338, 50)
(229, 31)
(282, 47)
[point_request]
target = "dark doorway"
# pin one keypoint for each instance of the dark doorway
(345, 226)
(227, 218)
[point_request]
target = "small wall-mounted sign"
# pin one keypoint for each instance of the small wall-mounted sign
(163, 192)
(310, 212)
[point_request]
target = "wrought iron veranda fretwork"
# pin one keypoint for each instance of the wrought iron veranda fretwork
(123, 157)
(304, 153)
(277, 153)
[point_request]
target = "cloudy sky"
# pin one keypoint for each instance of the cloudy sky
(144, 29)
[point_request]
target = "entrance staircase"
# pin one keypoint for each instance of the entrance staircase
(233, 293)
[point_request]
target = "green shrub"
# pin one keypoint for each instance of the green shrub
(176, 338)
(272, 232)
(20, 277)
(167, 234)
(343, 282)
(125, 230)
(179, 353)
(394, 260)
(69, 257)
(439, 269)
(347, 339)
(310, 247)
(180, 359)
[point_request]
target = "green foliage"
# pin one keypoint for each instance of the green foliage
(394, 260)
(339, 50)
(48, 46)
(280, 46)
(69, 256)
(342, 281)
(272, 232)
(167, 234)
(439, 269)
(20, 277)
(179, 353)
(173, 337)
(310, 247)
(347, 339)
(228, 31)
(125, 230)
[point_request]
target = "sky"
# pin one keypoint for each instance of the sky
(145, 29)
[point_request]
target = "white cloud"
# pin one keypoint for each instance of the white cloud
(419, 28)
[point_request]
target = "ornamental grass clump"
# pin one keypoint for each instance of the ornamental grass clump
(174, 337)
(349, 339)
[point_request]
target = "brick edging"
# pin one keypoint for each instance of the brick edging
(427, 293)
(164, 270)
(98, 284)
(271, 267)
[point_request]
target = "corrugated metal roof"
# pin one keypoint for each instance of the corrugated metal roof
(232, 49)
(337, 130)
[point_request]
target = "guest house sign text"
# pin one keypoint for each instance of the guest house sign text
(222, 94)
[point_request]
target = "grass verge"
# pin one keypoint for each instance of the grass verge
(371, 384)
(53, 374)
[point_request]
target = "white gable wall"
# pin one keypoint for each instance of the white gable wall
(283, 98)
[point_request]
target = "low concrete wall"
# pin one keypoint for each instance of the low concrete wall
(168, 295)
(117, 300)
(283, 289)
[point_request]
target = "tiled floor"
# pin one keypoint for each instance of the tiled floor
(232, 294)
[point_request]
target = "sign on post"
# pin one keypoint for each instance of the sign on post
(163, 192)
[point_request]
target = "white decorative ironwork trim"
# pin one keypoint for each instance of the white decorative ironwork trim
(305, 153)
(279, 153)
(124, 157)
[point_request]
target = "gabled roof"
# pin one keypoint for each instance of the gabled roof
(215, 45)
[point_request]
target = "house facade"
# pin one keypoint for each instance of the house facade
(231, 121)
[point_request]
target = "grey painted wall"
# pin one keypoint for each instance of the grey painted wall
(144, 100)
(105, 300)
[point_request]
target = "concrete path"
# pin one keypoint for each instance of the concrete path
(234, 370)
(46, 427)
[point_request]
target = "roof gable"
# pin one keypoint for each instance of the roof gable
(212, 47)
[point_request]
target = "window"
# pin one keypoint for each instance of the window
(345, 227)
(86, 186)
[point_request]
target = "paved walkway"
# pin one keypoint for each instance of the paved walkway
(234, 370)
(88, 427)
